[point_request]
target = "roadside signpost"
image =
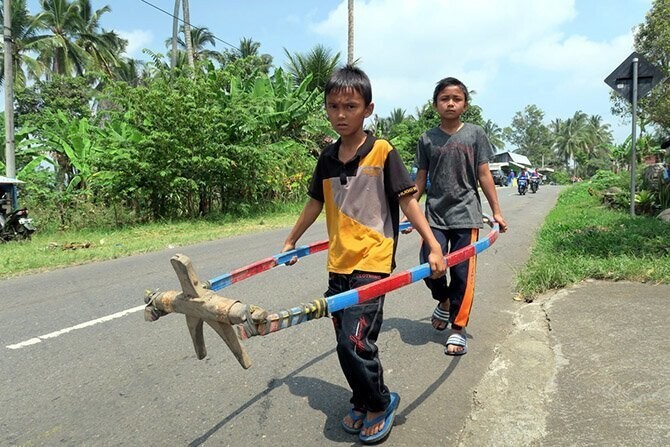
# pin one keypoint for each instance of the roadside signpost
(634, 78)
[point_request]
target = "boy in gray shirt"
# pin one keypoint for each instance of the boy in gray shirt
(456, 156)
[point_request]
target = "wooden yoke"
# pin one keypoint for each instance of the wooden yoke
(202, 305)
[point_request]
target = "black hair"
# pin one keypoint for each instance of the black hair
(446, 82)
(350, 77)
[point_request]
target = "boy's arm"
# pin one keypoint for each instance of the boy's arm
(420, 182)
(307, 217)
(410, 208)
(489, 189)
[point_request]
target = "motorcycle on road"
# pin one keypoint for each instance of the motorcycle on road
(523, 185)
(534, 184)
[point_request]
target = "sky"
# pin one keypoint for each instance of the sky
(554, 54)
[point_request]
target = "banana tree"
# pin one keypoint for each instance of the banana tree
(74, 149)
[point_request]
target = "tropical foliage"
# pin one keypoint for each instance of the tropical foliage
(106, 140)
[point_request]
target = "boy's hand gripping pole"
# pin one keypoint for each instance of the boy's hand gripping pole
(201, 305)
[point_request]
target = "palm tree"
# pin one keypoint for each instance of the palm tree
(572, 138)
(75, 39)
(319, 62)
(104, 47)
(384, 126)
(600, 136)
(200, 38)
(24, 31)
(131, 71)
(249, 48)
(58, 50)
(494, 134)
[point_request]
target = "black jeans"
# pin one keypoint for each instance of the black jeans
(356, 331)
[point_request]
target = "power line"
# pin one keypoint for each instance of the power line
(183, 22)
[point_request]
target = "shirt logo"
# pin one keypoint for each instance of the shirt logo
(371, 171)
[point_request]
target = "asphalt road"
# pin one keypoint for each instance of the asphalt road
(80, 366)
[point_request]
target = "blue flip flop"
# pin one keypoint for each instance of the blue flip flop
(388, 418)
(355, 419)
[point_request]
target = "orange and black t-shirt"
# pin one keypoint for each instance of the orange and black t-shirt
(361, 201)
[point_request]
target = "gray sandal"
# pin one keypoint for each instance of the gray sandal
(442, 316)
(457, 339)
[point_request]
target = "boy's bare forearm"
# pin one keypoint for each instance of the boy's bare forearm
(420, 182)
(410, 207)
(307, 217)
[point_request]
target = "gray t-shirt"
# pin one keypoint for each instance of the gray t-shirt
(451, 161)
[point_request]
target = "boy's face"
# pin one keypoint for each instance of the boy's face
(346, 111)
(451, 103)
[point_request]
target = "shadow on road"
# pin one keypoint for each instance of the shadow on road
(321, 395)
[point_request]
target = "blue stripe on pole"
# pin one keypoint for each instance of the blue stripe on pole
(420, 272)
(482, 245)
(404, 225)
(220, 282)
(342, 300)
(286, 256)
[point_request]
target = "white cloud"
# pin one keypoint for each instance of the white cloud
(583, 60)
(407, 46)
(137, 41)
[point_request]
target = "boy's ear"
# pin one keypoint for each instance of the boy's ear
(369, 109)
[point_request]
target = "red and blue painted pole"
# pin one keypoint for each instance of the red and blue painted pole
(323, 306)
(263, 265)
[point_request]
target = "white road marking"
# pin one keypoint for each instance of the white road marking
(39, 339)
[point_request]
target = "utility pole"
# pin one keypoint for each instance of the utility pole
(10, 163)
(633, 157)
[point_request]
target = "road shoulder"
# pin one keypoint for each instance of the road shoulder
(564, 376)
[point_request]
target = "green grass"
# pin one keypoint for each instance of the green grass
(47, 251)
(582, 239)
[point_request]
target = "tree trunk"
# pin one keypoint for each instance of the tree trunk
(187, 34)
(175, 32)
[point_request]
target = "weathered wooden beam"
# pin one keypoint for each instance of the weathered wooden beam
(201, 305)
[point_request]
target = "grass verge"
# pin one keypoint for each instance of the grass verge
(60, 249)
(582, 239)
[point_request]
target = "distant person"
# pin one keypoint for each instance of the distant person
(362, 181)
(456, 156)
(511, 178)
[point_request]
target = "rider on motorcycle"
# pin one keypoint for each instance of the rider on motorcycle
(535, 178)
(522, 180)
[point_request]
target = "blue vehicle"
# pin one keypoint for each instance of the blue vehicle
(523, 185)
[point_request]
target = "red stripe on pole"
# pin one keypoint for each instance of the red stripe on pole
(460, 255)
(318, 246)
(253, 269)
(373, 290)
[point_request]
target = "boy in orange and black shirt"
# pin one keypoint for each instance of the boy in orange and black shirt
(362, 182)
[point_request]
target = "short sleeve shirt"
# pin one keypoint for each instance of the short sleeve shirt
(452, 162)
(361, 200)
